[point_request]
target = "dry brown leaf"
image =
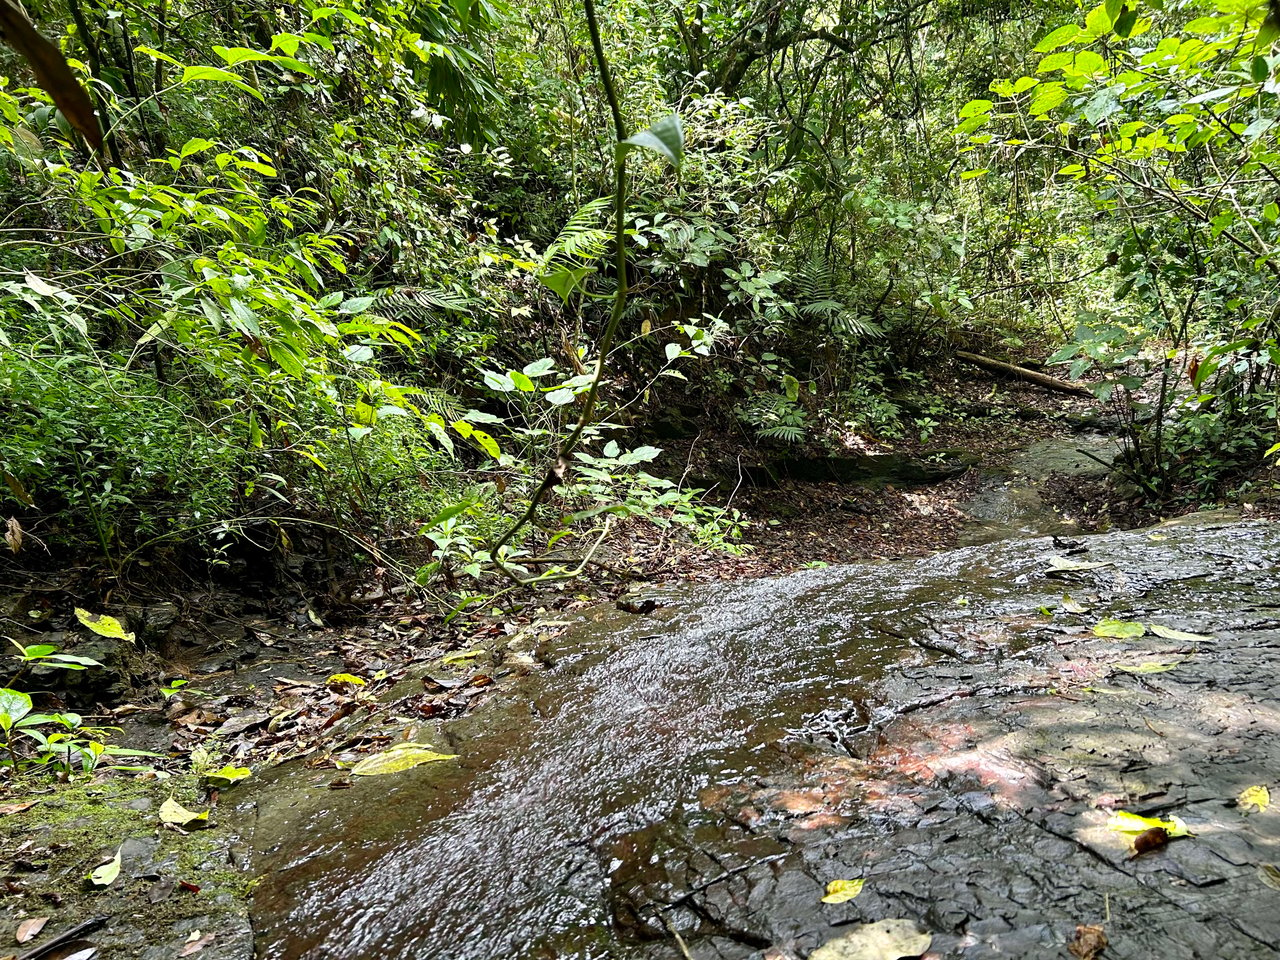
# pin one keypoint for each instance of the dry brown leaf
(6, 808)
(1088, 943)
(29, 929)
(13, 534)
(195, 946)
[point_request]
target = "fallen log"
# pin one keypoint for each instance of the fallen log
(1022, 373)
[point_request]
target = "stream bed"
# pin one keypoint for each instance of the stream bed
(685, 784)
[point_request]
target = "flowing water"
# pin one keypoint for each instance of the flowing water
(506, 852)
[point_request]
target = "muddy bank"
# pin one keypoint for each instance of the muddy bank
(943, 729)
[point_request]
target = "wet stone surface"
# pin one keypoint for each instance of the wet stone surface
(685, 785)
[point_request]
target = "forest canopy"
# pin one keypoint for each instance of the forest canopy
(347, 270)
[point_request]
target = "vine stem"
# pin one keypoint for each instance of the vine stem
(560, 469)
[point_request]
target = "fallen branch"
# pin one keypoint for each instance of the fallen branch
(1022, 373)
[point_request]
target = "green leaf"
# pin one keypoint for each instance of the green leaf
(356, 305)
(14, 705)
(403, 756)
(1126, 22)
(1088, 62)
(566, 280)
(103, 625)
(1058, 38)
(560, 397)
(106, 874)
(665, 138)
(539, 368)
(171, 811)
(194, 145)
(523, 383)
(215, 75)
(1119, 629)
(1099, 20)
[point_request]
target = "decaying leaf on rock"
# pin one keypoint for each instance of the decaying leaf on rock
(1088, 943)
(884, 940)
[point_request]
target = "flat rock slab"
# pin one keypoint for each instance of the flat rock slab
(977, 804)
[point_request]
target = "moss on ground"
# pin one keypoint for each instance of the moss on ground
(73, 827)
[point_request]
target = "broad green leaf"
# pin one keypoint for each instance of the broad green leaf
(103, 625)
(1126, 21)
(486, 443)
(106, 874)
(356, 305)
(218, 76)
(403, 756)
(14, 705)
(1099, 20)
(842, 891)
(193, 146)
(1170, 634)
(1058, 38)
(665, 138)
(564, 281)
(523, 383)
(1150, 666)
(1086, 61)
(1124, 822)
(539, 368)
(1259, 798)
(1119, 629)
(560, 397)
(171, 811)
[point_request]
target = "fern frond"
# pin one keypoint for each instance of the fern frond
(418, 303)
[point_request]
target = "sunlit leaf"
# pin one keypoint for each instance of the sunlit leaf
(1171, 634)
(403, 756)
(345, 678)
(665, 138)
(228, 776)
(1130, 823)
(1259, 798)
(1119, 629)
(103, 625)
(841, 891)
(171, 811)
(106, 874)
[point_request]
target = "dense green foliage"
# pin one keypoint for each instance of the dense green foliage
(346, 266)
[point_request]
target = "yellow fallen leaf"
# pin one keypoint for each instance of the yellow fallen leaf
(1119, 629)
(402, 756)
(842, 891)
(1124, 822)
(345, 678)
(1257, 797)
(171, 811)
(103, 625)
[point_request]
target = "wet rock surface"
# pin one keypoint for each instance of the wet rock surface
(686, 784)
